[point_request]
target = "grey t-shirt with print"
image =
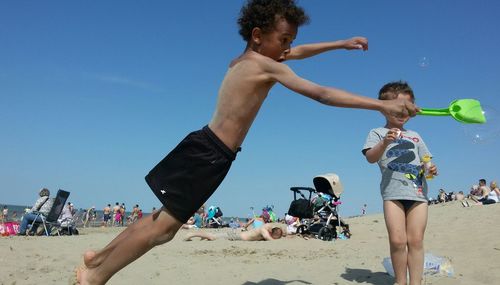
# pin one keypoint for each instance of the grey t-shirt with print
(400, 165)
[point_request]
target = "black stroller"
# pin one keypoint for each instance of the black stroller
(319, 213)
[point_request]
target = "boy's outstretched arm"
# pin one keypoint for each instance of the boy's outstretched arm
(308, 50)
(335, 97)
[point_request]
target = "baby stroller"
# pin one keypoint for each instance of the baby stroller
(319, 213)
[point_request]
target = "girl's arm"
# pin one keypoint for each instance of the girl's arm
(497, 191)
(308, 50)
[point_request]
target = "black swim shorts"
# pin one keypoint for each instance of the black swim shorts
(190, 173)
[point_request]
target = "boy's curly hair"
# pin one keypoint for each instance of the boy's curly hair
(264, 13)
(392, 89)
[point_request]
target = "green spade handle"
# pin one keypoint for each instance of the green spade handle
(434, 112)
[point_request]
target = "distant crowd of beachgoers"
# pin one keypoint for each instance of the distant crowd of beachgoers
(212, 217)
(479, 194)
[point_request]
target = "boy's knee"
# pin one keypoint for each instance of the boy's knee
(415, 242)
(163, 237)
(399, 243)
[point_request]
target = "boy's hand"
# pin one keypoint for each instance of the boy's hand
(356, 43)
(391, 136)
(433, 170)
(399, 108)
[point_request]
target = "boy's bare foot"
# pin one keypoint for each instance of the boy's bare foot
(80, 274)
(83, 274)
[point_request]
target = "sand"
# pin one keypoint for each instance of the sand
(468, 236)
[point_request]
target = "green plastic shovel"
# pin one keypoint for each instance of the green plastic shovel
(466, 111)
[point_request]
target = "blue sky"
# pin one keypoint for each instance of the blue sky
(93, 94)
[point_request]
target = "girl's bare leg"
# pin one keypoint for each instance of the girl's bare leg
(137, 239)
(395, 221)
(416, 221)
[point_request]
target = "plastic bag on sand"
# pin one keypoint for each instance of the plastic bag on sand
(433, 265)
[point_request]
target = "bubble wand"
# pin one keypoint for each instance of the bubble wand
(467, 111)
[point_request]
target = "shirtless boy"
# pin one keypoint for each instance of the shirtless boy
(189, 174)
(266, 232)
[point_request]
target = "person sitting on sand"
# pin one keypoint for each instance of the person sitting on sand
(494, 186)
(460, 196)
(189, 224)
(483, 192)
(441, 196)
(474, 191)
(492, 197)
(66, 219)
(266, 232)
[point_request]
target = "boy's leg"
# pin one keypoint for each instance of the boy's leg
(395, 221)
(416, 221)
(130, 244)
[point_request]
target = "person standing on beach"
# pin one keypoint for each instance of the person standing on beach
(116, 212)
(106, 215)
(190, 173)
(398, 152)
(89, 216)
(5, 213)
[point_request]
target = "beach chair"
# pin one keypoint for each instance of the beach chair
(213, 216)
(50, 222)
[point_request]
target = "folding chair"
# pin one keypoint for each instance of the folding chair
(54, 213)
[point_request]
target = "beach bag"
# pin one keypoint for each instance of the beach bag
(9, 228)
(433, 265)
(301, 208)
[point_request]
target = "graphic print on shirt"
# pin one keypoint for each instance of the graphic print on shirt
(402, 162)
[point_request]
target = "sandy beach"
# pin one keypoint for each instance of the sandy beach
(468, 236)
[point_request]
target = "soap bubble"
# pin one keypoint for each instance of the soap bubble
(487, 132)
(423, 62)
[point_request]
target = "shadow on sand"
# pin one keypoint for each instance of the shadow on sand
(272, 281)
(367, 276)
